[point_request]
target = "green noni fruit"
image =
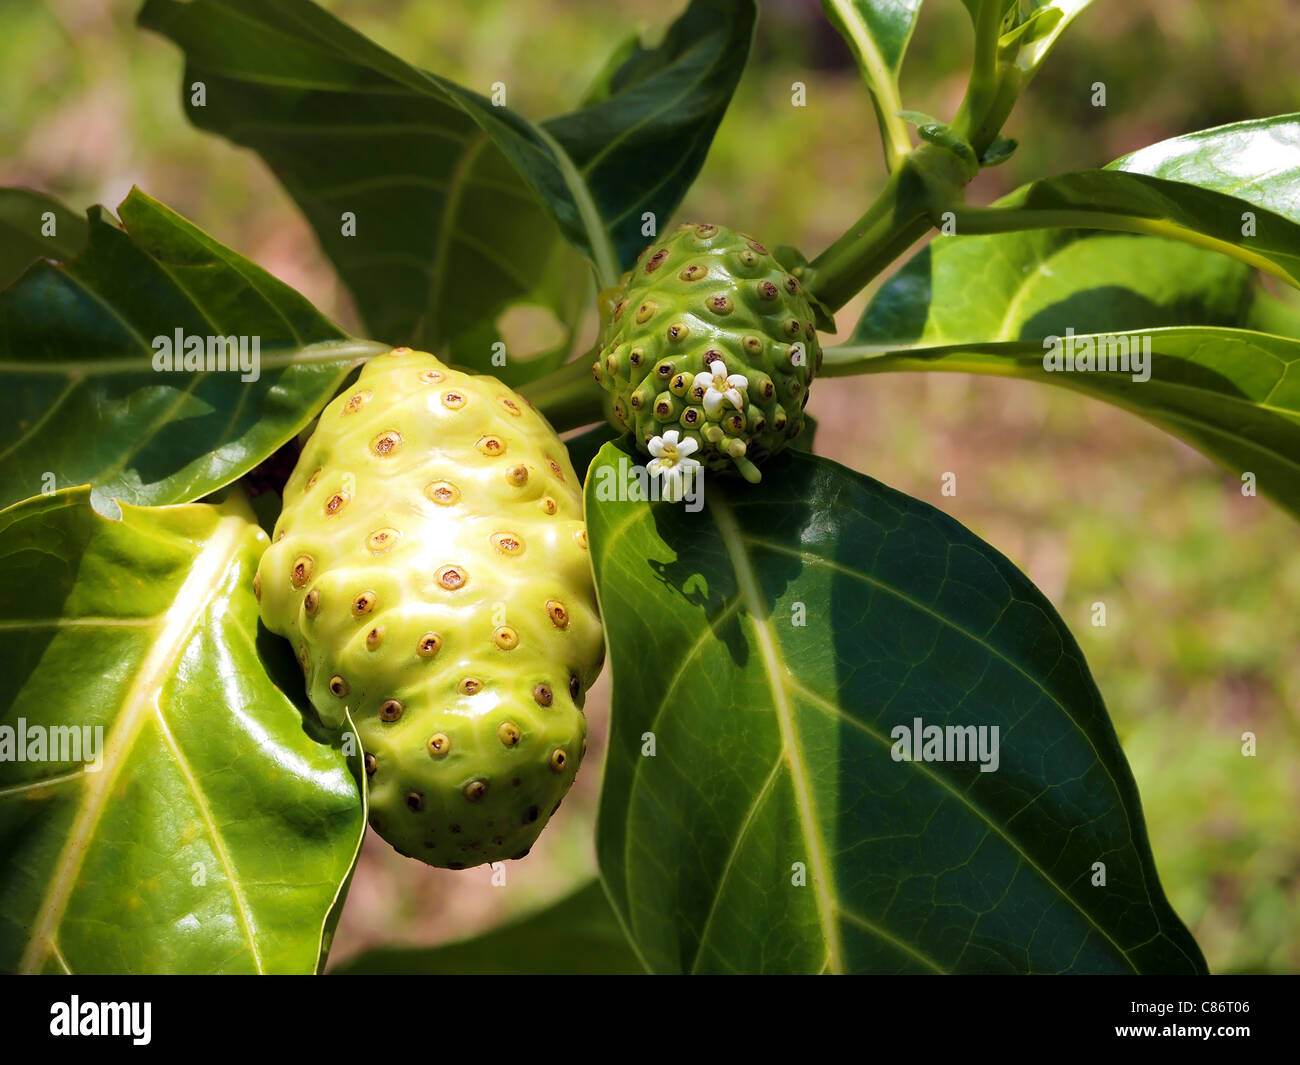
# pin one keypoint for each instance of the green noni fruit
(710, 338)
(430, 566)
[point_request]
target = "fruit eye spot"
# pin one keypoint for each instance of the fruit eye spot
(430, 377)
(646, 311)
(792, 285)
(511, 406)
(677, 331)
(508, 543)
(391, 710)
(555, 467)
(691, 416)
(575, 685)
(548, 505)
(470, 686)
(635, 356)
(706, 230)
(580, 536)
(301, 572)
(665, 369)
(491, 445)
(257, 587)
(444, 493)
(509, 733)
(760, 248)
(452, 577)
(656, 260)
(415, 801)
(793, 327)
(506, 638)
(382, 539)
(311, 481)
(542, 693)
(429, 644)
(371, 765)
(336, 503)
(311, 603)
(387, 442)
(558, 614)
(517, 475)
(356, 401)
(338, 686)
(768, 291)
(693, 272)
(439, 744)
(753, 345)
(374, 638)
(453, 400)
(363, 604)
(559, 759)
(475, 790)
(720, 304)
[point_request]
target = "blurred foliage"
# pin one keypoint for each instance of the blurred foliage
(1199, 582)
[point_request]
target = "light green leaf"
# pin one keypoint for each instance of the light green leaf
(218, 829)
(765, 653)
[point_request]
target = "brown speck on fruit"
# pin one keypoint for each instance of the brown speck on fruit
(506, 638)
(559, 759)
(300, 572)
(809, 330)
(678, 331)
(694, 272)
(390, 710)
(580, 538)
(311, 602)
(646, 311)
(761, 249)
(430, 377)
(335, 504)
(371, 765)
(691, 416)
(338, 686)
(363, 604)
(595, 371)
(767, 290)
(508, 543)
(257, 586)
(748, 257)
(792, 284)
(542, 693)
(679, 384)
(548, 505)
(475, 790)
(720, 304)
(469, 686)
(752, 345)
(311, 481)
(555, 468)
(453, 400)
(575, 685)
(656, 260)
(665, 370)
(452, 577)
(531, 815)
(374, 638)
(558, 614)
(429, 644)
(381, 540)
(491, 446)
(415, 801)
(508, 733)
(439, 744)
(706, 230)
(444, 493)
(635, 356)
(511, 406)
(387, 443)
(356, 401)
(618, 310)
(793, 328)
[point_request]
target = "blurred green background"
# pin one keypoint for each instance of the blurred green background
(1200, 584)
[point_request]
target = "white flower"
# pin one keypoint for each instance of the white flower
(672, 461)
(718, 386)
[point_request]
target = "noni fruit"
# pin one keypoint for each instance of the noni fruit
(709, 336)
(430, 567)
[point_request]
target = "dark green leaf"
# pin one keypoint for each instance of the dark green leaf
(25, 220)
(577, 936)
(82, 400)
(218, 830)
(771, 646)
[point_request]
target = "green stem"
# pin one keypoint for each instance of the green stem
(880, 81)
(929, 180)
(567, 397)
(971, 120)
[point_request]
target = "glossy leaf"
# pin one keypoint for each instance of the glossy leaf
(25, 221)
(1228, 391)
(769, 647)
(462, 208)
(82, 401)
(1256, 161)
(218, 830)
(577, 936)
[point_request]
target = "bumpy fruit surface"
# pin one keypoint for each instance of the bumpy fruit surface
(430, 566)
(704, 296)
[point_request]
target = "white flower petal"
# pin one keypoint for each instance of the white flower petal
(655, 466)
(671, 437)
(739, 381)
(702, 380)
(717, 366)
(656, 446)
(688, 447)
(734, 398)
(712, 401)
(686, 462)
